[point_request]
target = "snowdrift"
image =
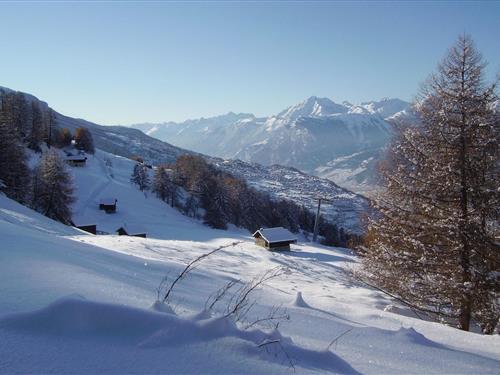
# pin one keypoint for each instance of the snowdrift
(74, 317)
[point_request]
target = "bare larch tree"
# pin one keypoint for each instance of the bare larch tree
(433, 244)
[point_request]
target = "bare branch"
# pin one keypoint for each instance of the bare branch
(191, 265)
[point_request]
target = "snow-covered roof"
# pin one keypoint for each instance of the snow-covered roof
(107, 201)
(278, 234)
(83, 224)
(133, 229)
(76, 157)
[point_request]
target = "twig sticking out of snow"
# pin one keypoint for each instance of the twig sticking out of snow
(274, 318)
(336, 339)
(216, 297)
(239, 305)
(277, 343)
(189, 267)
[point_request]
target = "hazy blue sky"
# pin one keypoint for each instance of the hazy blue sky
(129, 62)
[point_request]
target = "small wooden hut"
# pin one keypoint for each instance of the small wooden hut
(131, 230)
(108, 205)
(277, 238)
(76, 160)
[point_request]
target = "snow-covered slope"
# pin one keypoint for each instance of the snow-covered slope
(108, 176)
(277, 180)
(82, 304)
(311, 136)
(344, 207)
(124, 141)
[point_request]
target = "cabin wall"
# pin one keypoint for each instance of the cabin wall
(76, 163)
(261, 242)
(108, 208)
(280, 248)
(280, 244)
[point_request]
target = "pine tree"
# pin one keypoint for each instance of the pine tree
(53, 188)
(160, 184)
(191, 206)
(50, 135)
(164, 187)
(214, 200)
(14, 171)
(37, 127)
(140, 177)
(433, 244)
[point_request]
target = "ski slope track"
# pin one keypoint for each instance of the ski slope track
(76, 303)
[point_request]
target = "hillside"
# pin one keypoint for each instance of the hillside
(344, 207)
(341, 142)
(128, 142)
(80, 303)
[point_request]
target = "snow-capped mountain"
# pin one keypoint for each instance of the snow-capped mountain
(341, 142)
(279, 181)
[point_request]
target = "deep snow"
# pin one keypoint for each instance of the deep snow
(77, 303)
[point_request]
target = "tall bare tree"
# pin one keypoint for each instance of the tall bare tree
(53, 188)
(433, 242)
(84, 140)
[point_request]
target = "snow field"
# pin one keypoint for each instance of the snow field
(77, 303)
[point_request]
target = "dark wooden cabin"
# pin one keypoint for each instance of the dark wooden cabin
(276, 239)
(76, 160)
(131, 230)
(91, 228)
(108, 205)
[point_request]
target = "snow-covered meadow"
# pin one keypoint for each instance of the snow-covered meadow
(71, 302)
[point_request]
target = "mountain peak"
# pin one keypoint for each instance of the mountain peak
(313, 107)
(385, 107)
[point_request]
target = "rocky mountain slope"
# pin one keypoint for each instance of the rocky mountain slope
(340, 142)
(279, 181)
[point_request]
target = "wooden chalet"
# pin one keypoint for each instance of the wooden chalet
(90, 228)
(277, 238)
(131, 230)
(76, 160)
(108, 205)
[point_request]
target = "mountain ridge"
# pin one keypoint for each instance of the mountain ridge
(311, 136)
(278, 181)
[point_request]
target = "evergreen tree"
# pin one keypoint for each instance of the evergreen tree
(160, 184)
(53, 188)
(140, 177)
(214, 200)
(14, 171)
(434, 244)
(50, 135)
(191, 206)
(164, 187)
(37, 127)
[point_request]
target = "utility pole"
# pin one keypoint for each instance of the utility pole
(316, 221)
